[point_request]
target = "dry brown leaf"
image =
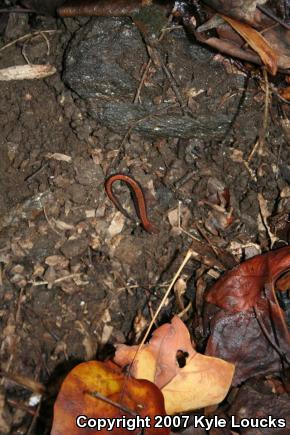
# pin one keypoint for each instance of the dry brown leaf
(257, 42)
(187, 379)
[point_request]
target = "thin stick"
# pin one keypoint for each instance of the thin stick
(28, 35)
(143, 78)
(187, 308)
(273, 16)
(186, 259)
(30, 177)
(261, 141)
(144, 75)
(56, 281)
(48, 220)
(179, 214)
(97, 395)
(266, 108)
(34, 419)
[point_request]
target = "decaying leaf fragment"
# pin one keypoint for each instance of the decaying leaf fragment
(78, 397)
(187, 379)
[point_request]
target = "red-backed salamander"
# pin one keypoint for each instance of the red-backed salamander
(138, 196)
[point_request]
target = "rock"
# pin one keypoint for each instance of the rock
(120, 116)
(104, 65)
(104, 59)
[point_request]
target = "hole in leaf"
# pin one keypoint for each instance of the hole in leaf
(181, 358)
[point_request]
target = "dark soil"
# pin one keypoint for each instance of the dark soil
(75, 274)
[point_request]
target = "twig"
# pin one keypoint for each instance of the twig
(204, 235)
(49, 221)
(47, 42)
(56, 281)
(98, 395)
(29, 40)
(184, 311)
(25, 408)
(165, 284)
(186, 259)
(261, 141)
(143, 78)
(34, 419)
(273, 16)
(13, 339)
(144, 75)
(266, 108)
(27, 35)
(173, 84)
(202, 259)
(30, 177)
(184, 179)
(179, 214)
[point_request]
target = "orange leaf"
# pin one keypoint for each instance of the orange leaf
(76, 398)
(188, 380)
(257, 42)
(240, 288)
